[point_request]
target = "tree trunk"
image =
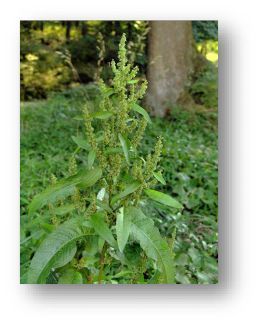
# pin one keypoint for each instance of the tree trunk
(68, 29)
(170, 63)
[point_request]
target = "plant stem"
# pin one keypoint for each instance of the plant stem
(102, 258)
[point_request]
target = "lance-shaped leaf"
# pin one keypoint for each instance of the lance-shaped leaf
(56, 250)
(81, 143)
(100, 226)
(155, 247)
(123, 224)
(65, 188)
(130, 188)
(124, 148)
(163, 198)
(64, 209)
(102, 115)
(141, 111)
(159, 177)
(91, 158)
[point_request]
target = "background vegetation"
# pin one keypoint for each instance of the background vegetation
(59, 63)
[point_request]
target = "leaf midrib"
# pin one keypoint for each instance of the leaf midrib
(154, 247)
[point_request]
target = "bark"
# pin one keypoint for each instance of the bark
(170, 63)
(68, 29)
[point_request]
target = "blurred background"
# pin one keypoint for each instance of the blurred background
(60, 62)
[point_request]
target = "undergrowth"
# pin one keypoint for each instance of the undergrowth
(189, 167)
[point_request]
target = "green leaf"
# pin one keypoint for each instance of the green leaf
(71, 276)
(91, 158)
(123, 224)
(102, 115)
(130, 188)
(65, 188)
(101, 227)
(64, 209)
(103, 205)
(81, 143)
(124, 148)
(56, 250)
(131, 82)
(163, 198)
(144, 231)
(159, 177)
(141, 111)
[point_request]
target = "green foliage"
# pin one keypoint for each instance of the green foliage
(205, 30)
(57, 250)
(65, 188)
(155, 247)
(123, 225)
(204, 89)
(163, 198)
(110, 183)
(189, 167)
(58, 54)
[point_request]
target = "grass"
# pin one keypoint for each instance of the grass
(190, 169)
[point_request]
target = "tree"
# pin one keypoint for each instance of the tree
(170, 63)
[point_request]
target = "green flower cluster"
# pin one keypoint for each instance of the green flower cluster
(120, 129)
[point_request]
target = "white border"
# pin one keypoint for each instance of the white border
(235, 299)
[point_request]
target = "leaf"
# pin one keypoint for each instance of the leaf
(141, 111)
(101, 194)
(71, 276)
(144, 231)
(130, 188)
(91, 158)
(102, 229)
(64, 209)
(103, 205)
(56, 249)
(65, 188)
(124, 148)
(163, 198)
(123, 224)
(102, 115)
(81, 143)
(131, 82)
(159, 177)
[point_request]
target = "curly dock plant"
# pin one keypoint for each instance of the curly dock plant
(101, 234)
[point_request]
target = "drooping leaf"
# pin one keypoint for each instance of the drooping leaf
(81, 142)
(71, 276)
(123, 224)
(141, 111)
(91, 158)
(64, 209)
(65, 188)
(144, 231)
(56, 250)
(124, 148)
(159, 177)
(100, 226)
(130, 188)
(163, 198)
